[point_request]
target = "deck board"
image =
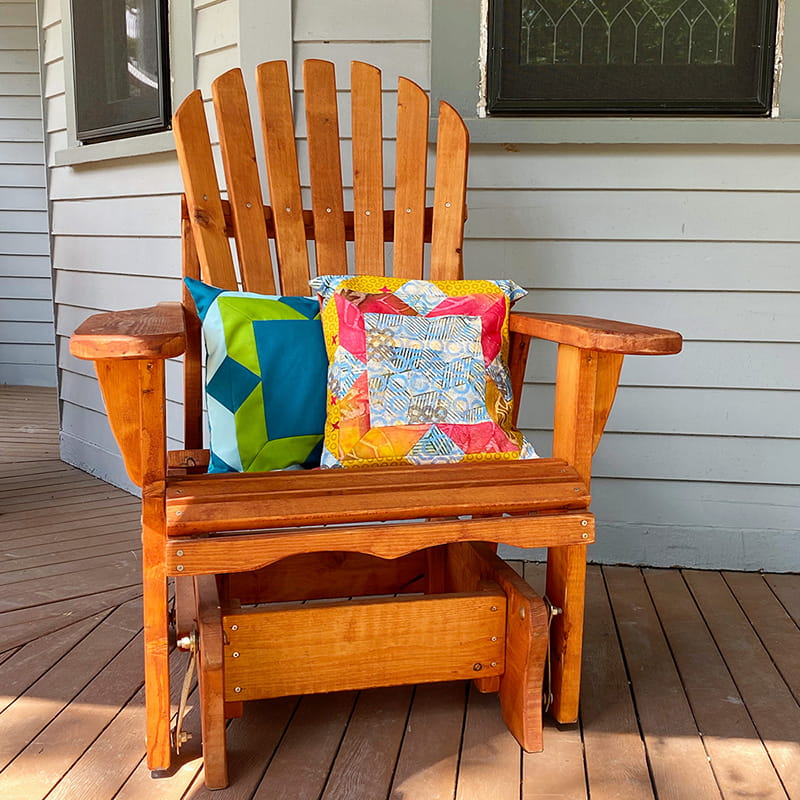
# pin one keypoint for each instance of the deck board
(690, 691)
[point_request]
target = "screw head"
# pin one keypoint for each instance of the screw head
(179, 553)
(584, 522)
(477, 667)
(234, 627)
(493, 608)
(179, 568)
(237, 689)
(236, 655)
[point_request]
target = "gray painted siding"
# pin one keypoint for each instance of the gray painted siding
(27, 351)
(699, 465)
(116, 239)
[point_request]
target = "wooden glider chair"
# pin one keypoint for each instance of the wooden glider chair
(429, 599)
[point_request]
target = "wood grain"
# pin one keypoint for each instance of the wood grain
(367, 124)
(597, 334)
(449, 197)
(193, 147)
(242, 181)
(331, 647)
(410, 179)
(277, 130)
(322, 125)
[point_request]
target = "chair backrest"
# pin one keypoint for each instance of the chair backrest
(368, 223)
(209, 221)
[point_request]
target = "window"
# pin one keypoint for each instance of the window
(680, 57)
(120, 57)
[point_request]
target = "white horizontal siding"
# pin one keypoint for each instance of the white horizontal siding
(27, 354)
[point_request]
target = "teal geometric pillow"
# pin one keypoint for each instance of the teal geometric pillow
(266, 371)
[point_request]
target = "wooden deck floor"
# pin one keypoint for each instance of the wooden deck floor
(691, 688)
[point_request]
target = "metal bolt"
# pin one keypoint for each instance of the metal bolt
(184, 643)
(576, 489)
(205, 197)
(494, 638)
(494, 663)
(234, 627)
(178, 513)
(477, 667)
(367, 213)
(179, 553)
(236, 655)
(447, 205)
(237, 689)
(179, 568)
(408, 211)
(328, 210)
(248, 205)
(584, 522)
(584, 536)
(288, 210)
(493, 608)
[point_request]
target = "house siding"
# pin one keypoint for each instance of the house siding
(27, 350)
(700, 462)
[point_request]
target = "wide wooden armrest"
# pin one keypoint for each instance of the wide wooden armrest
(590, 333)
(155, 332)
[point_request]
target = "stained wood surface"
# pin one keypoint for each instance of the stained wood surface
(690, 679)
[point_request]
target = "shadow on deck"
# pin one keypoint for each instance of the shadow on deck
(691, 679)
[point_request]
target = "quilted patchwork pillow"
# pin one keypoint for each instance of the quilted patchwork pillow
(265, 379)
(417, 371)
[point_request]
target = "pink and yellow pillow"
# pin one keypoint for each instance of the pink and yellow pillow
(417, 371)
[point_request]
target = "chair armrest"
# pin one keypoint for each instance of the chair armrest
(155, 332)
(590, 333)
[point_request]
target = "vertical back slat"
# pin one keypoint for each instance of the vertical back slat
(244, 186)
(192, 356)
(449, 197)
(277, 127)
(322, 123)
(365, 94)
(412, 156)
(193, 146)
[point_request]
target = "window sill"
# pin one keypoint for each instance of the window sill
(633, 130)
(162, 142)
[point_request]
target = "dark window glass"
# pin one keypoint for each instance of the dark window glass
(121, 76)
(631, 56)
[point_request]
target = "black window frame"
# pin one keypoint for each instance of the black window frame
(95, 117)
(592, 88)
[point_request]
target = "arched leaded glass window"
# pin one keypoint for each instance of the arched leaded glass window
(631, 56)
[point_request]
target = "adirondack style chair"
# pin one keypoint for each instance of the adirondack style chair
(429, 598)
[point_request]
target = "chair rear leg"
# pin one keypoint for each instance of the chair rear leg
(566, 589)
(211, 678)
(520, 685)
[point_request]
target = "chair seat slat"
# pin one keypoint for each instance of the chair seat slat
(365, 92)
(322, 123)
(277, 127)
(244, 185)
(412, 154)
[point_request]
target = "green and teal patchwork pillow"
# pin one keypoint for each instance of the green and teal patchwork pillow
(266, 370)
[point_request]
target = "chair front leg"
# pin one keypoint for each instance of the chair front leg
(566, 590)
(156, 650)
